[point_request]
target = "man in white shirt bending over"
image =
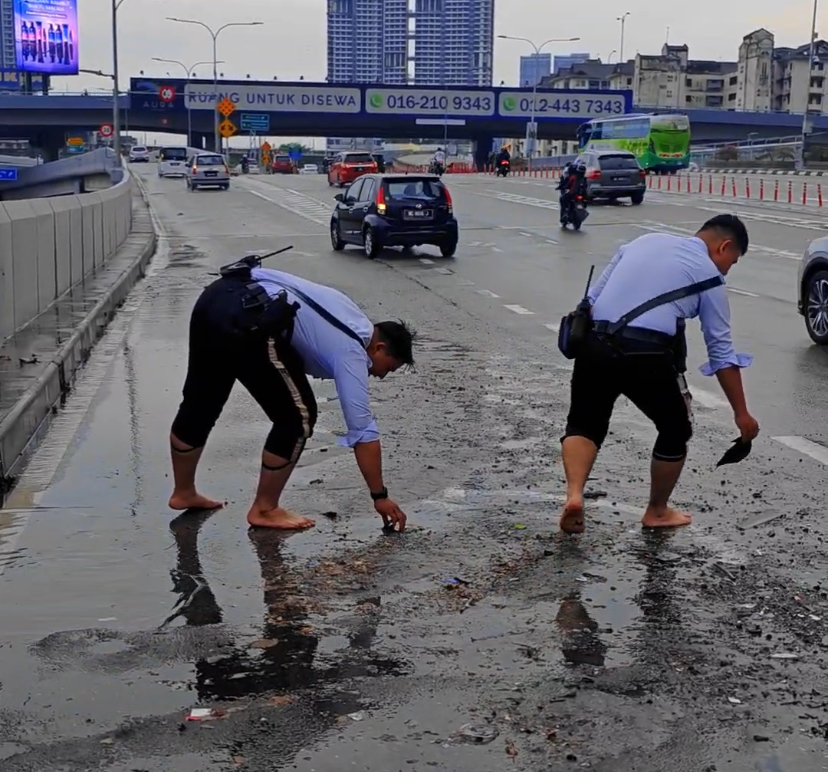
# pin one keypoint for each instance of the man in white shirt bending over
(270, 330)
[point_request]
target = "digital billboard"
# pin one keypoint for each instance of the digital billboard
(46, 36)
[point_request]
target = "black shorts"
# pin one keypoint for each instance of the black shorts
(644, 374)
(269, 368)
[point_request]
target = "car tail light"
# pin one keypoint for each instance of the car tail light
(594, 175)
(448, 200)
(381, 207)
(579, 198)
(227, 171)
(642, 172)
(195, 169)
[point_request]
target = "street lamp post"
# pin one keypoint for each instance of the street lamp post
(623, 20)
(614, 51)
(531, 127)
(214, 34)
(116, 110)
(805, 122)
(189, 71)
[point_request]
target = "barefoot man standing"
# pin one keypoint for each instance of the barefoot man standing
(637, 348)
(270, 330)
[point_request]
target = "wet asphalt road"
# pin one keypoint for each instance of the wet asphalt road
(346, 649)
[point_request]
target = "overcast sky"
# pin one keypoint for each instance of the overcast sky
(292, 42)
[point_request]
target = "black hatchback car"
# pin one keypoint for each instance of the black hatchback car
(395, 210)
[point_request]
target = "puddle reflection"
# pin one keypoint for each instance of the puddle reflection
(286, 657)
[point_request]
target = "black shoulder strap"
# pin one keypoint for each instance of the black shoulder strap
(326, 315)
(660, 300)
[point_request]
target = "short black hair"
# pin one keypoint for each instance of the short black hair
(399, 338)
(730, 225)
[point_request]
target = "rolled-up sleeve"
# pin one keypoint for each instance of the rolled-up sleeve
(598, 287)
(714, 316)
(351, 379)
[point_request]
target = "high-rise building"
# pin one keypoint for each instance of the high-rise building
(367, 41)
(418, 42)
(7, 53)
(568, 60)
(452, 42)
(534, 68)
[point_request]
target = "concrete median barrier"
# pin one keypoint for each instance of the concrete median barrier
(66, 264)
(48, 245)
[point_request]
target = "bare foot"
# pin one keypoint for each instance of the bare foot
(278, 518)
(572, 518)
(666, 518)
(179, 501)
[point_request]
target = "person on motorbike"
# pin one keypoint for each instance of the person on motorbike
(503, 155)
(245, 164)
(562, 182)
(572, 184)
(438, 162)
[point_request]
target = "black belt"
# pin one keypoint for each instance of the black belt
(638, 334)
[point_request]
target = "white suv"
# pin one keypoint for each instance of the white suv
(812, 290)
(139, 154)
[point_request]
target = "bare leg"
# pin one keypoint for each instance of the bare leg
(185, 462)
(663, 478)
(579, 455)
(266, 512)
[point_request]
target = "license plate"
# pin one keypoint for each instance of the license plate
(418, 214)
(174, 163)
(210, 174)
(619, 179)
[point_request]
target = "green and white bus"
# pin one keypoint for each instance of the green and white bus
(661, 143)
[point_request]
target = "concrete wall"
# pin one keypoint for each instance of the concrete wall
(49, 244)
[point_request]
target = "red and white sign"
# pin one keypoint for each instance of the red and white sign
(166, 93)
(106, 130)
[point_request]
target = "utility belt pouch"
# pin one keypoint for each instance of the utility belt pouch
(575, 330)
(576, 326)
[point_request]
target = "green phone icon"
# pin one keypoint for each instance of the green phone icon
(509, 104)
(376, 100)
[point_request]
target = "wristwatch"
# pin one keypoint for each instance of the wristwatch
(383, 494)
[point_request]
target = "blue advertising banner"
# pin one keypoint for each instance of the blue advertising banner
(46, 36)
(12, 81)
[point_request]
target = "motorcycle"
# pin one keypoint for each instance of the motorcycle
(245, 165)
(503, 168)
(437, 168)
(574, 213)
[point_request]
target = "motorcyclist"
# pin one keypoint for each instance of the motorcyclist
(438, 162)
(503, 155)
(245, 164)
(572, 184)
(565, 172)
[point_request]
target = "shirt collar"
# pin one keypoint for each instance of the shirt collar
(702, 247)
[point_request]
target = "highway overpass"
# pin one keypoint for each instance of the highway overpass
(356, 110)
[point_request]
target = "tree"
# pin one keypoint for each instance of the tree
(288, 146)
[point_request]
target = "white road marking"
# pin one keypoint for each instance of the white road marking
(426, 261)
(519, 310)
(465, 282)
(708, 399)
(660, 227)
(487, 293)
(554, 327)
(742, 292)
(551, 241)
(524, 233)
(496, 249)
(445, 271)
(812, 449)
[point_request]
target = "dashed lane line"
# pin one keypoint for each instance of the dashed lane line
(520, 310)
(487, 293)
(426, 261)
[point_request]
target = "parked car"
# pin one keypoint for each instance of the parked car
(139, 154)
(347, 167)
(614, 174)
(395, 210)
(208, 170)
(812, 290)
(282, 164)
(172, 162)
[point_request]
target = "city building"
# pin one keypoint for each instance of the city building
(367, 41)
(799, 85)
(417, 42)
(534, 68)
(755, 84)
(7, 53)
(452, 42)
(568, 60)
